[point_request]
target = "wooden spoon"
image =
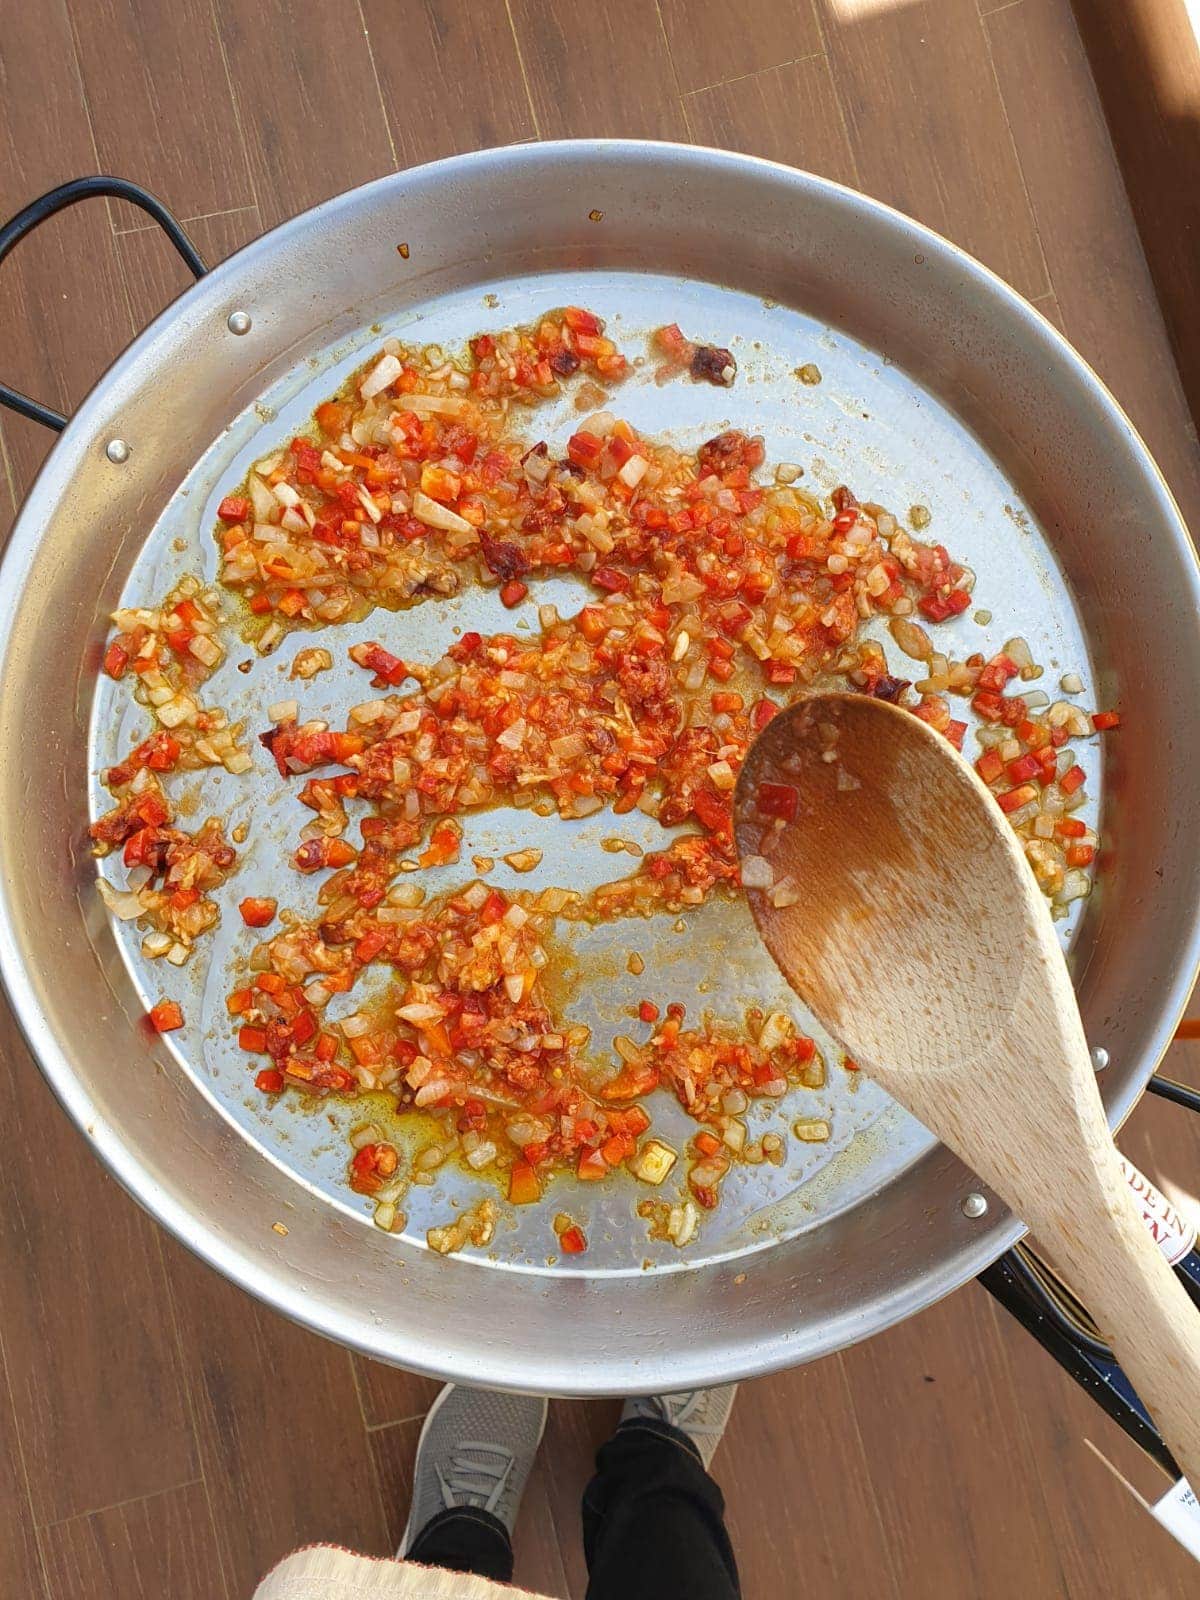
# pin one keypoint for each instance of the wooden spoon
(904, 913)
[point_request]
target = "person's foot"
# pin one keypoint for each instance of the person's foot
(477, 1448)
(702, 1414)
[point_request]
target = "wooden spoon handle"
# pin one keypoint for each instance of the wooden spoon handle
(1107, 1256)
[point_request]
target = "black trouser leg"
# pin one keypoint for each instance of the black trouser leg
(465, 1539)
(654, 1521)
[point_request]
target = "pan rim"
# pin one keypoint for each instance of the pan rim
(121, 1158)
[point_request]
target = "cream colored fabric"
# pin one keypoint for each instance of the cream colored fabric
(324, 1572)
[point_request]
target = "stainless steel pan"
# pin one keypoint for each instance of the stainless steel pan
(939, 386)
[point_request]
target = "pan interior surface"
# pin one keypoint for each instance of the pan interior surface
(863, 423)
(938, 388)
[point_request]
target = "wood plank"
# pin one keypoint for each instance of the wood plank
(9, 499)
(1093, 252)
(1145, 55)
(929, 130)
(389, 1394)
(793, 1455)
(154, 274)
(961, 1517)
(306, 97)
(160, 104)
(1048, 304)
(20, 1560)
(392, 1451)
(92, 1360)
(598, 71)
(443, 35)
(1163, 1140)
(1102, 1537)
(788, 114)
(282, 1444)
(62, 299)
(538, 1561)
(159, 1548)
(714, 43)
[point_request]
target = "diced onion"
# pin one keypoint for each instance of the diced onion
(384, 373)
(812, 1130)
(757, 873)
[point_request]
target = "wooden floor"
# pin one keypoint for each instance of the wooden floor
(160, 1434)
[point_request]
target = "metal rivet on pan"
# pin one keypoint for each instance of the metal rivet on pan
(117, 451)
(238, 322)
(973, 1205)
(1099, 1057)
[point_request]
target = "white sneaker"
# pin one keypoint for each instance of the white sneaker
(477, 1448)
(700, 1413)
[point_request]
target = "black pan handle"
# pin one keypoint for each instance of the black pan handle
(1179, 1094)
(67, 194)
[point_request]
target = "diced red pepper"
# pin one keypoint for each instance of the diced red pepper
(1072, 780)
(592, 1166)
(1022, 769)
(388, 669)
(269, 1080)
(997, 672)
(648, 1011)
(611, 580)
(315, 854)
(713, 811)
(581, 321)
(166, 1016)
(513, 592)
(763, 711)
(333, 417)
(585, 449)
(777, 800)
(304, 1027)
(234, 508)
(257, 913)
(252, 1039)
(672, 342)
(593, 623)
(1018, 797)
(573, 1241)
(631, 1082)
(989, 766)
(1080, 855)
(524, 1189)
(1102, 720)
(369, 946)
(116, 659)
